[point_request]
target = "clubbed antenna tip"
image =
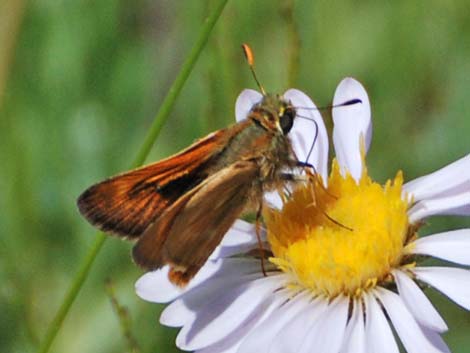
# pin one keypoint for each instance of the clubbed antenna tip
(251, 63)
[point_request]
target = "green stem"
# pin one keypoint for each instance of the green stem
(177, 85)
(155, 128)
(124, 318)
(287, 11)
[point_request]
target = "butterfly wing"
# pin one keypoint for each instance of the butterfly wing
(126, 204)
(189, 230)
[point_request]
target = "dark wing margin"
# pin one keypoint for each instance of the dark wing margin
(185, 235)
(128, 203)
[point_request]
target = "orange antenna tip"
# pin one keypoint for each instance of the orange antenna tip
(248, 54)
(250, 58)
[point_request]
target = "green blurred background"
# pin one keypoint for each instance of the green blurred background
(80, 82)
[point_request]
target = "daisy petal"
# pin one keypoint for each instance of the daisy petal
(453, 282)
(260, 339)
(451, 246)
(327, 334)
(240, 233)
(240, 238)
(273, 199)
(453, 205)
(307, 134)
(176, 314)
(411, 335)
(155, 287)
(228, 312)
(351, 123)
(232, 274)
(219, 348)
(245, 101)
(379, 335)
(450, 180)
(298, 327)
(355, 340)
(146, 287)
(417, 303)
(232, 342)
(436, 339)
(183, 310)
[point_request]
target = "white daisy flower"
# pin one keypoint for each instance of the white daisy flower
(344, 266)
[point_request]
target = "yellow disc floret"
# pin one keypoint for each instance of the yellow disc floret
(341, 239)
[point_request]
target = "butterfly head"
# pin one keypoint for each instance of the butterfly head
(274, 113)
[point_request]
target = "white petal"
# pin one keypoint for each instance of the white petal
(240, 239)
(417, 303)
(228, 312)
(240, 233)
(451, 246)
(231, 273)
(219, 348)
(307, 133)
(261, 339)
(452, 205)
(229, 345)
(328, 333)
(450, 180)
(245, 101)
(355, 339)
(453, 282)
(273, 199)
(379, 335)
(411, 335)
(232, 343)
(184, 310)
(177, 314)
(299, 328)
(351, 123)
(436, 339)
(155, 287)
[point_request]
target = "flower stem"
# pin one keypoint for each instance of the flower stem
(155, 128)
(287, 12)
(123, 316)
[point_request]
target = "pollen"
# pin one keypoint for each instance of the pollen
(341, 239)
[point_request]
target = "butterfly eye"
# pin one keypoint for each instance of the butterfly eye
(287, 120)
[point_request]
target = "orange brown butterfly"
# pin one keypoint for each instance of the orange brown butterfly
(178, 209)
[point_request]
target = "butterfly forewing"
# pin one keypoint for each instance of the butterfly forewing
(126, 204)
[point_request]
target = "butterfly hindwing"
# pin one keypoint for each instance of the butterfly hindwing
(187, 233)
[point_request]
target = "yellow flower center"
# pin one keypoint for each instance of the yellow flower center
(342, 239)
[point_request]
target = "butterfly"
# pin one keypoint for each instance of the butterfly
(178, 209)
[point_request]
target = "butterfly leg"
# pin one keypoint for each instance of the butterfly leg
(296, 178)
(258, 236)
(312, 173)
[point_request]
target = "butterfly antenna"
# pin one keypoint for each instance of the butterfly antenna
(314, 140)
(251, 63)
(331, 106)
